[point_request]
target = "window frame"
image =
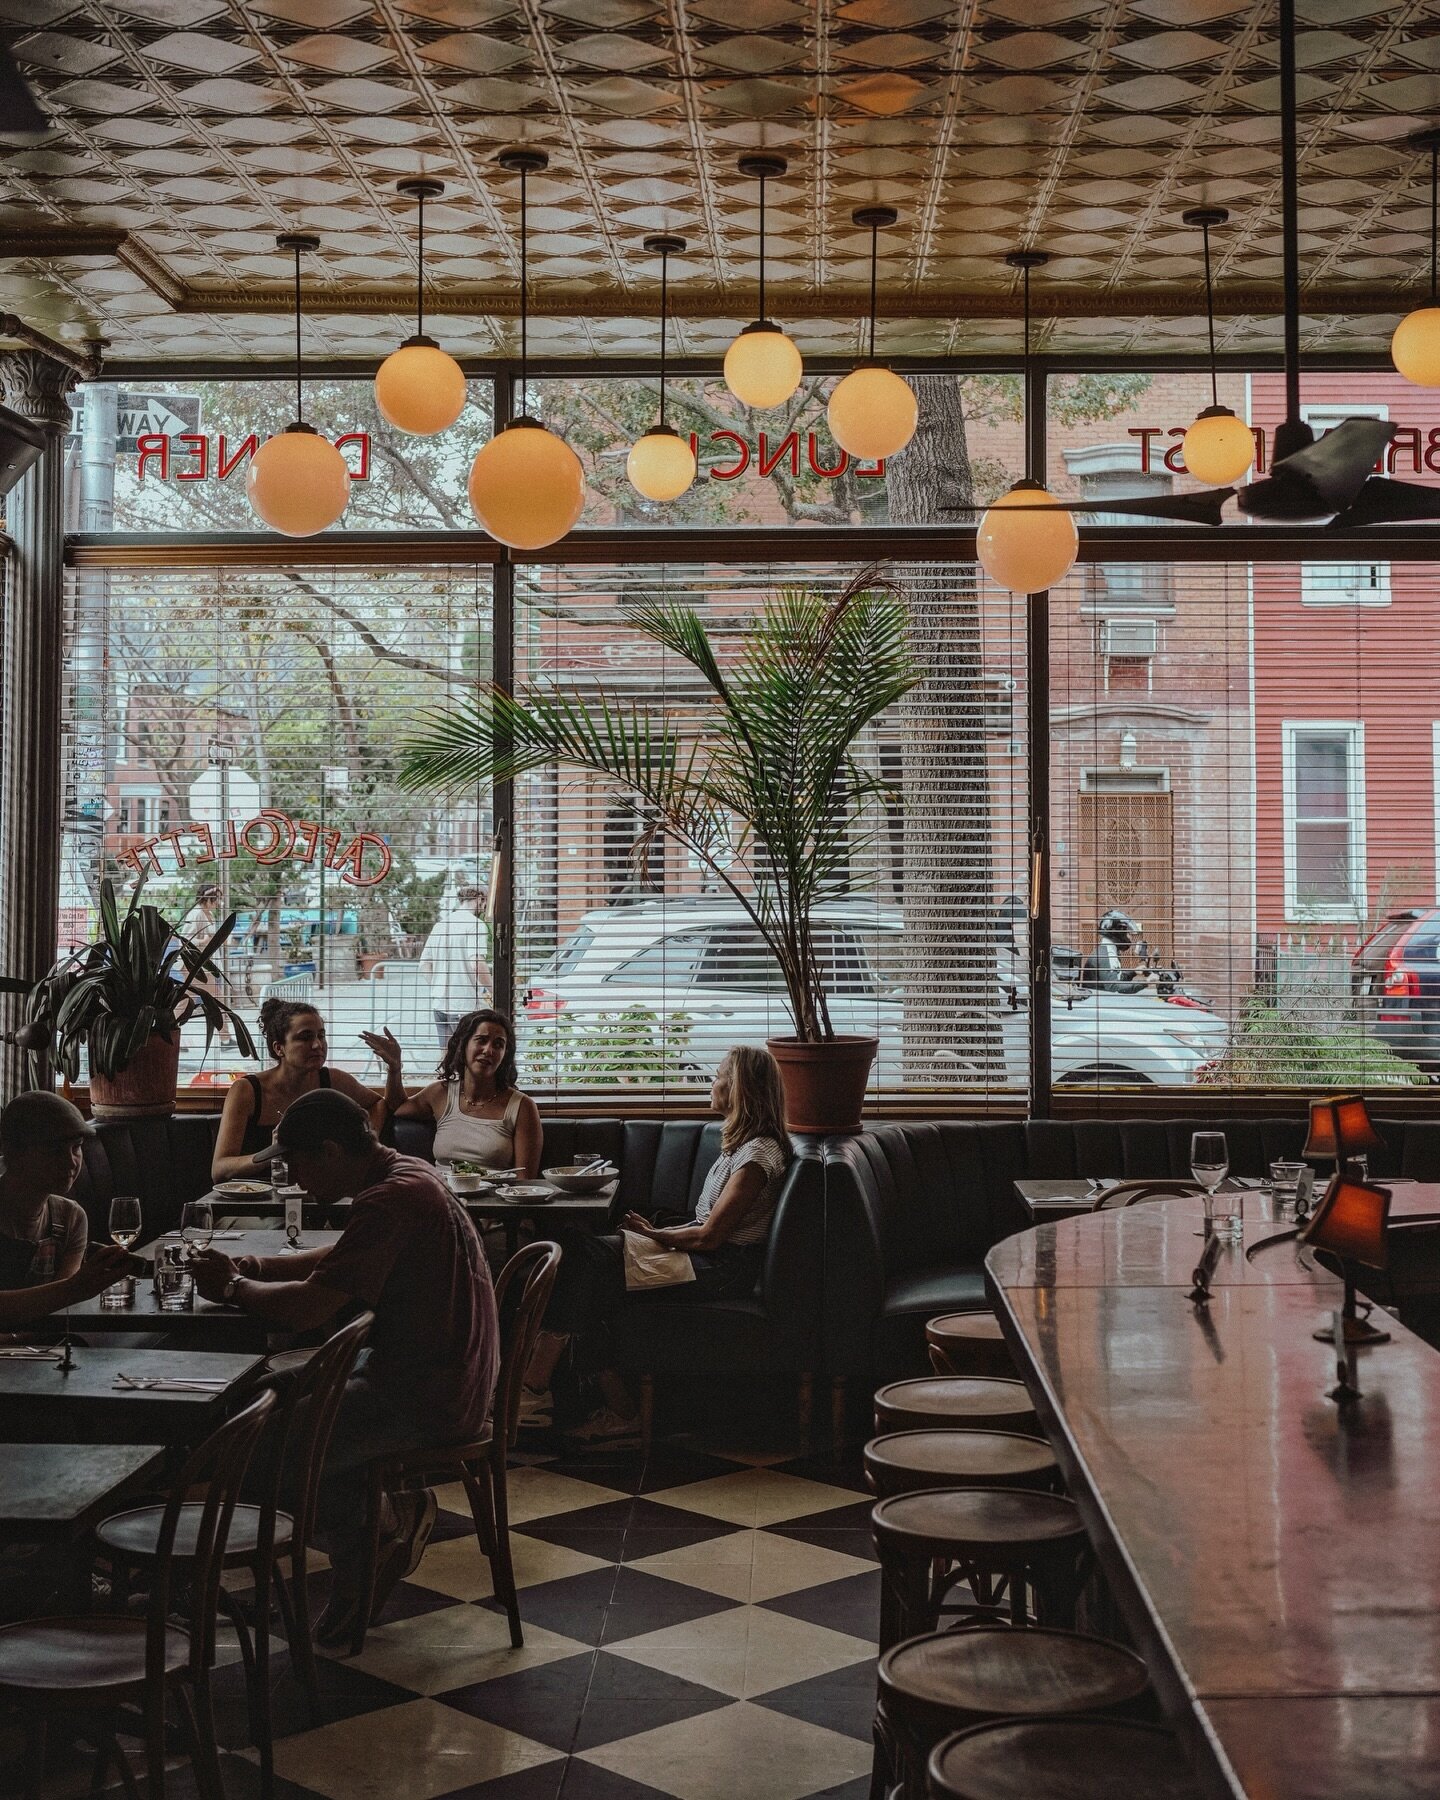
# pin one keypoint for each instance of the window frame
(1353, 730)
(1375, 592)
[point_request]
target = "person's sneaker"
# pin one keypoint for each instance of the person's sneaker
(605, 1427)
(537, 1409)
(400, 1555)
(335, 1627)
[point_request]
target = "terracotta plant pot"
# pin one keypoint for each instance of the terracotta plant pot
(824, 1083)
(143, 1089)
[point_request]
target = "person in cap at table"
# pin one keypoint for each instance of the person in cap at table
(43, 1231)
(427, 1376)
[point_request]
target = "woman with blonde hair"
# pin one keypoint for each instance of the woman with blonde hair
(715, 1255)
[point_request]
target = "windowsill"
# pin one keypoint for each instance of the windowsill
(1365, 598)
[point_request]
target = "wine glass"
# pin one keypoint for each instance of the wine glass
(1209, 1164)
(197, 1224)
(125, 1219)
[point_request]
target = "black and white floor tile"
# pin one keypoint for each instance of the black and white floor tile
(698, 1626)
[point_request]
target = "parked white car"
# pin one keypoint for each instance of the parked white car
(703, 958)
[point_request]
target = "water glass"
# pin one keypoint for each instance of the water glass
(1209, 1164)
(177, 1288)
(120, 1297)
(1285, 1177)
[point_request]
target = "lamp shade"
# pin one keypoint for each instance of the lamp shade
(661, 465)
(1358, 1136)
(872, 412)
(1323, 1138)
(1415, 347)
(762, 366)
(1026, 541)
(1218, 447)
(298, 482)
(419, 388)
(526, 486)
(1350, 1222)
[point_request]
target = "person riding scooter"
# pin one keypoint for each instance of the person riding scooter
(1103, 968)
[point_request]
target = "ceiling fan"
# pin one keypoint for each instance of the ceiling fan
(1331, 478)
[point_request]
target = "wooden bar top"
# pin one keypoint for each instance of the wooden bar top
(1276, 1557)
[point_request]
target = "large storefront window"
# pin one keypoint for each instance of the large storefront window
(635, 965)
(238, 729)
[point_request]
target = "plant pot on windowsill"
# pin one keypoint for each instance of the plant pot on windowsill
(145, 1087)
(824, 1082)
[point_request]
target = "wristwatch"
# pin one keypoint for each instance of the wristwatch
(227, 1293)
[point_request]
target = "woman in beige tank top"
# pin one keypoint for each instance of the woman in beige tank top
(480, 1115)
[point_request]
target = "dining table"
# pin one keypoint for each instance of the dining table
(119, 1395)
(1272, 1549)
(1046, 1199)
(54, 1493)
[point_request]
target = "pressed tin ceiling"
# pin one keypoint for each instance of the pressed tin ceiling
(186, 133)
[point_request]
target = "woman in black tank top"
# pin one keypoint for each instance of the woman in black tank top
(294, 1034)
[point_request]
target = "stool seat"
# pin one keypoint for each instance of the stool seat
(901, 1462)
(962, 1402)
(971, 1522)
(970, 1343)
(947, 1680)
(1062, 1759)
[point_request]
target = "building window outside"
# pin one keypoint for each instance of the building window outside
(1344, 584)
(1324, 797)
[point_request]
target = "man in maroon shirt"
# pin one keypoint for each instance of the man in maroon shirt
(410, 1253)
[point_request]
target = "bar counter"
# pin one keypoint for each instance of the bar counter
(1275, 1556)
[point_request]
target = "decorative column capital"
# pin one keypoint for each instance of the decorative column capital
(36, 385)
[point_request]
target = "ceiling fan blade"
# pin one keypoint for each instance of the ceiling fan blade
(20, 116)
(1385, 502)
(1322, 478)
(1206, 508)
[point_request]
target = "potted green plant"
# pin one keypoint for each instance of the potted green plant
(124, 998)
(759, 782)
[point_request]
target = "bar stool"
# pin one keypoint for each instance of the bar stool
(1063, 1759)
(903, 1462)
(961, 1402)
(949, 1681)
(968, 1343)
(1023, 1555)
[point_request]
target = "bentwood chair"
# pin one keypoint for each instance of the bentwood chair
(1141, 1192)
(261, 1532)
(1042, 1756)
(97, 1664)
(521, 1295)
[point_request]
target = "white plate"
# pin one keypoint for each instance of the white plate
(532, 1192)
(242, 1190)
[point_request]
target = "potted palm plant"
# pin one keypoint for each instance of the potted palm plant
(762, 788)
(124, 998)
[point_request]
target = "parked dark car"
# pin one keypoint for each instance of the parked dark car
(1395, 981)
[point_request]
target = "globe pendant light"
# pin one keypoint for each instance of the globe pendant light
(762, 366)
(298, 482)
(1415, 347)
(661, 465)
(1027, 541)
(526, 486)
(873, 412)
(418, 388)
(1218, 447)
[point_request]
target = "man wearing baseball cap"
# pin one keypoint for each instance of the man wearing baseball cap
(42, 1231)
(410, 1253)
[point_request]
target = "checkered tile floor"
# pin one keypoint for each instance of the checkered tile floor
(700, 1626)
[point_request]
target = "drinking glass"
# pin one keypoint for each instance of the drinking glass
(197, 1224)
(1209, 1164)
(177, 1288)
(124, 1229)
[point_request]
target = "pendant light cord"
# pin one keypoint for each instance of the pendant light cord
(299, 401)
(664, 307)
(874, 265)
(1435, 221)
(762, 247)
(1029, 458)
(524, 293)
(420, 270)
(1210, 318)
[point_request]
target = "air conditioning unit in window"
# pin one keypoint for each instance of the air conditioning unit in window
(1129, 637)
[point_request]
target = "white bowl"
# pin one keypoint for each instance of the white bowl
(571, 1178)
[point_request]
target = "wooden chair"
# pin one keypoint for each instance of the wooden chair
(522, 1293)
(959, 1402)
(261, 1532)
(948, 1681)
(1061, 1756)
(906, 1462)
(968, 1343)
(97, 1664)
(1139, 1193)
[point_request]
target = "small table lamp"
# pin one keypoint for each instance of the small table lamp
(1340, 1129)
(1350, 1224)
